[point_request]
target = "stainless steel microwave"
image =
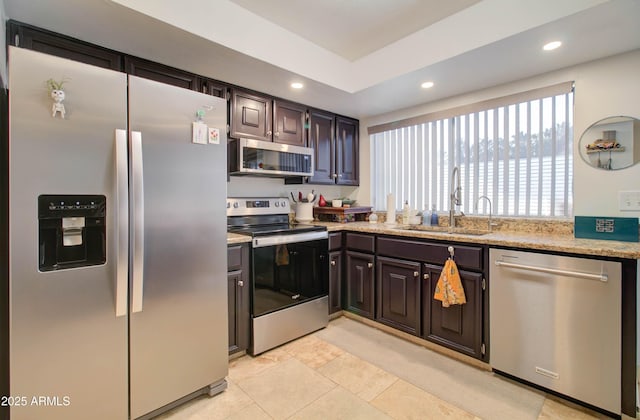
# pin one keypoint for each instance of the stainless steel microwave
(257, 157)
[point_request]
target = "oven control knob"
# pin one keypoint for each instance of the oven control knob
(236, 205)
(283, 204)
(277, 204)
(228, 204)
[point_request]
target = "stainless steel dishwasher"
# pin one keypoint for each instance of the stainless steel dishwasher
(555, 321)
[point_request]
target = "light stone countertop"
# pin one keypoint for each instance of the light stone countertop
(561, 242)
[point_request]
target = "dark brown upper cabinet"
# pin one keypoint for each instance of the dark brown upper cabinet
(322, 139)
(335, 143)
(261, 117)
(347, 148)
(25, 36)
(161, 73)
(289, 123)
(213, 87)
(251, 116)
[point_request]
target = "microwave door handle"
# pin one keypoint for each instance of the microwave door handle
(137, 194)
(122, 223)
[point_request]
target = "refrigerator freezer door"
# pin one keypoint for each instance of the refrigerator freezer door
(178, 341)
(68, 349)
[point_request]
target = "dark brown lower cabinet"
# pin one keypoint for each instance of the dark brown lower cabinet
(360, 284)
(238, 293)
(335, 281)
(399, 294)
(458, 327)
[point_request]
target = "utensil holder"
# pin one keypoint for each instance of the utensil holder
(304, 212)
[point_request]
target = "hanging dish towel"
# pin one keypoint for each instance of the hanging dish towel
(449, 287)
(282, 255)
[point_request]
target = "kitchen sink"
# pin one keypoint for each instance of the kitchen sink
(444, 229)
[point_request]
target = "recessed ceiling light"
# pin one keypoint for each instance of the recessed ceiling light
(297, 85)
(552, 45)
(426, 85)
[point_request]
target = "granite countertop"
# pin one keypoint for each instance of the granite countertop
(561, 242)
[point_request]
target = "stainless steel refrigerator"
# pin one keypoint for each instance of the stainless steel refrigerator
(117, 242)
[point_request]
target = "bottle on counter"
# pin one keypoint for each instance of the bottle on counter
(426, 217)
(405, 213)
(434, 216)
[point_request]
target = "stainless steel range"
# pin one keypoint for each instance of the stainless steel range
(289, 272)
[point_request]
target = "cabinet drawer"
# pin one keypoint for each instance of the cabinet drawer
(335, 241)
(234, 258)
(466, 256)
(361, 242)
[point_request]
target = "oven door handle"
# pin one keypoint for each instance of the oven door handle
(289, 239)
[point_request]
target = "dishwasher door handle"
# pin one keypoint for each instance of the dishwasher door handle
(601, 277)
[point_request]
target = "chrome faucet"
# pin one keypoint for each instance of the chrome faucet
(488, 200)
(454, 196)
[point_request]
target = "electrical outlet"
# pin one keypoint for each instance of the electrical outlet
(629, 200)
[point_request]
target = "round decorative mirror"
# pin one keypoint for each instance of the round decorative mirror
(611, 143)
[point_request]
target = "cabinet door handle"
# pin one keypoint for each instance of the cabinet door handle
(416, 274)
(277, 133)
(370, 265)
(240, 283)
(425, 276)
(334, 176)
(340, 176)
(333, 262)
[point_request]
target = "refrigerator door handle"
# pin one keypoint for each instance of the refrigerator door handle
(137, 193)
(122, 223)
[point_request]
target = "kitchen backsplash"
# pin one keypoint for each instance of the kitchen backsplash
(247, 186)
(501, 224)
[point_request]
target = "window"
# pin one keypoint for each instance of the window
(517, 151)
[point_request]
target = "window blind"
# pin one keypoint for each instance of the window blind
(518, 154)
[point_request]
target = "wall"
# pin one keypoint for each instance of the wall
(606, 87)
(248, 186)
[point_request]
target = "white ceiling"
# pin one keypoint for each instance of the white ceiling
(355, 57)
(353, 29)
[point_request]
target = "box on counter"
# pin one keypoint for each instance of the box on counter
(341, 214)
(608, 228)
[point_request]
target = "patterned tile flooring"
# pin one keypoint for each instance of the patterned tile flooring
(353, 371)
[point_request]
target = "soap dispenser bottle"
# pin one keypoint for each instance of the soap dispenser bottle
(426, 216)
(405, 213)
(434, 216)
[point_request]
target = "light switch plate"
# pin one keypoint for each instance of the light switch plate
(629, 200)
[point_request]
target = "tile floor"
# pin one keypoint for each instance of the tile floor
(353, 371)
